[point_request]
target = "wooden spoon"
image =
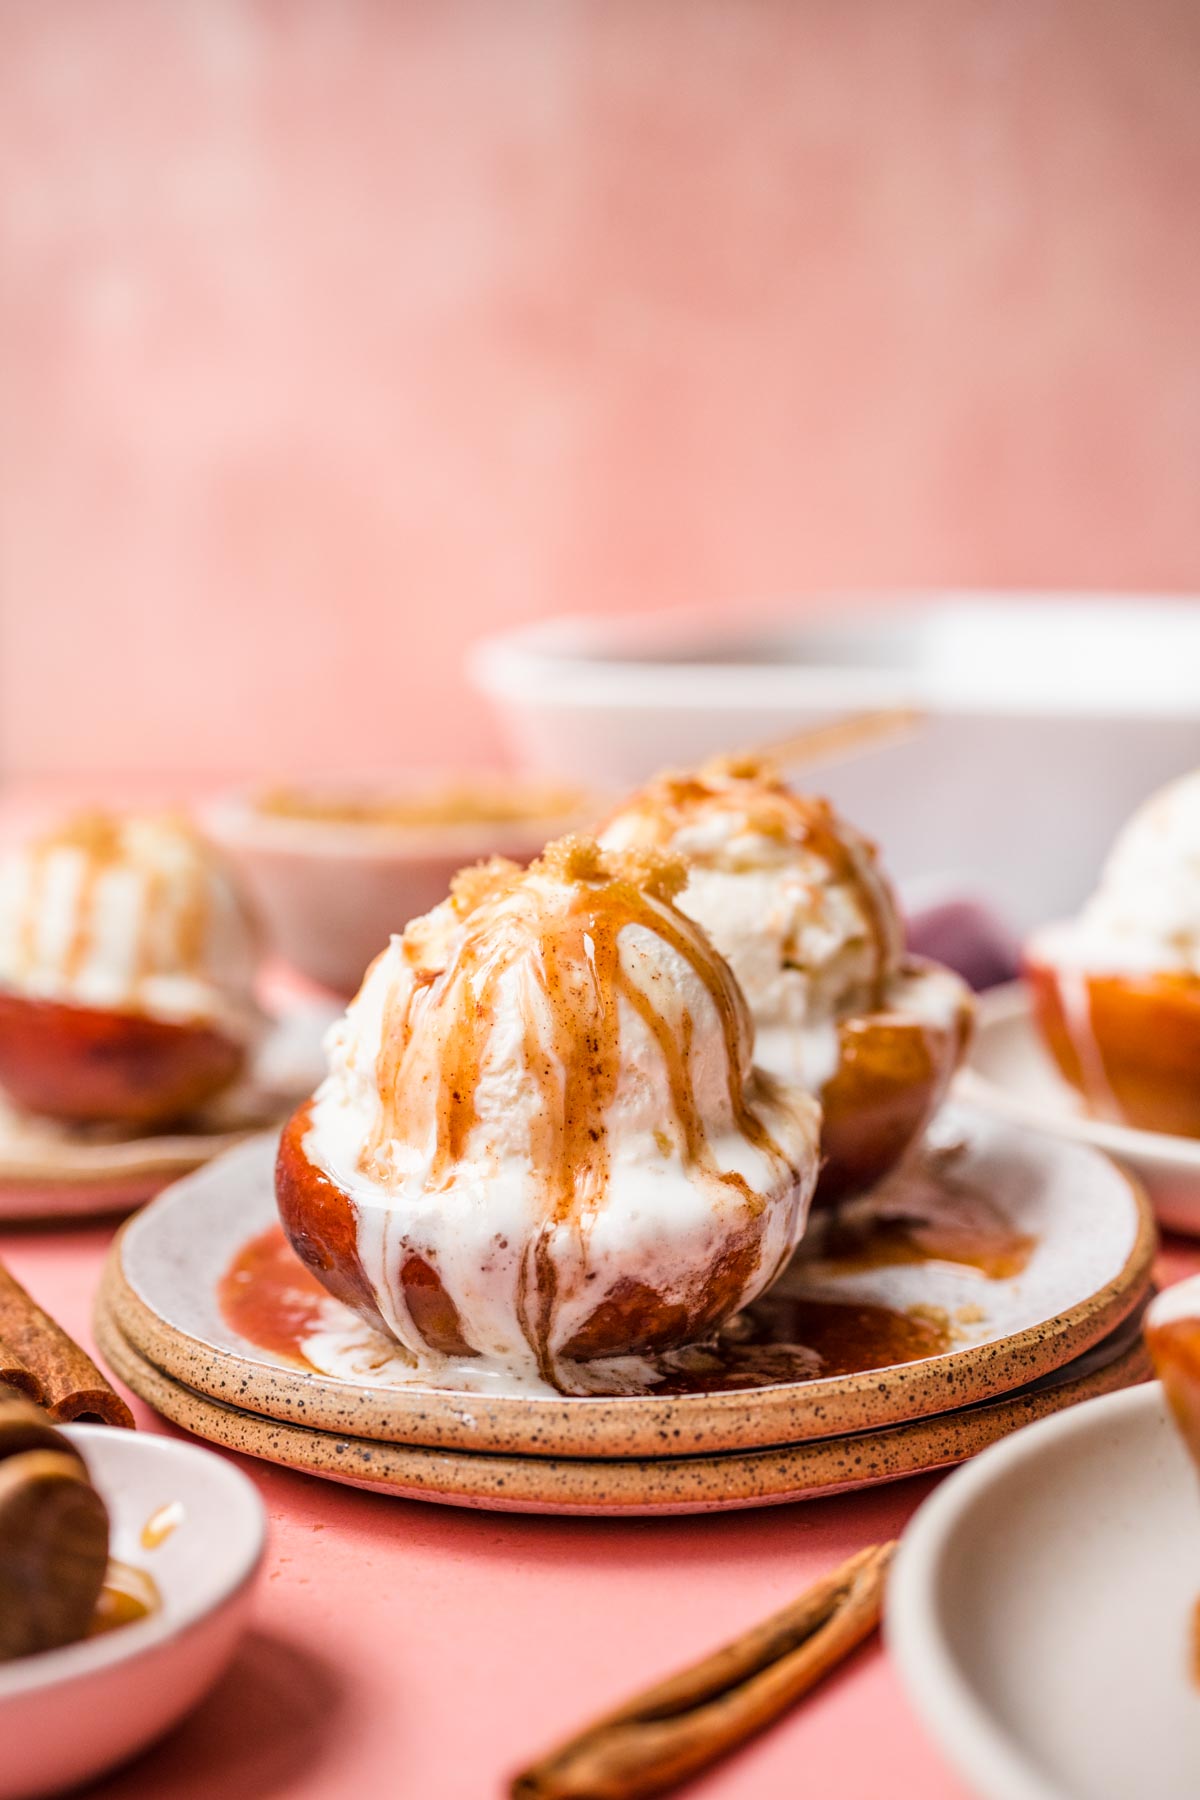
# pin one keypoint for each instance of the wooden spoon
(53, 1551)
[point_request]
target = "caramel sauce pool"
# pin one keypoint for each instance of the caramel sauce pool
(993, 1250)
(269, 1298)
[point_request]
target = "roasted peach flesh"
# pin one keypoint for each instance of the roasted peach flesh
(1174, 1346)
(86, 1065)
(892, 1075)
(319, 1219)
(1129, 1044)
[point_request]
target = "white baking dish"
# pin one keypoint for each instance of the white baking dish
(1049, 718)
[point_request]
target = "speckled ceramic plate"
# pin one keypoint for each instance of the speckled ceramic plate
(1042, 1610)
(1011, 1076)
(627, 1486)
(1093, 1242)
(51, 1171)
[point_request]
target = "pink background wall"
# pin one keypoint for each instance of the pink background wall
(334, 333)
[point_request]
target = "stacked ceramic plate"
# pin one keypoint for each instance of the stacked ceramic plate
(997, 1279)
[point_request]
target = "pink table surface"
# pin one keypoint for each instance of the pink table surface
(400, 1647)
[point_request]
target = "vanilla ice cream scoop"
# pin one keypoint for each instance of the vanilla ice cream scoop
(1145, 913)
(795, 899)
(133, 915)
(541, 1141)
(1116, 990)
(790, 894)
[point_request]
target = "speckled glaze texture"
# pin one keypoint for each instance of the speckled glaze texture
(627, 1486)
(153, 1292)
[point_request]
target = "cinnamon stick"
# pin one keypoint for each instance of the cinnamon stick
(677, 1728)
(50, 1366)
(15, 1375)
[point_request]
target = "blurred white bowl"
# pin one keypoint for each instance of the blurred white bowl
(332, 893)
(1049, 719)
(68, 1715)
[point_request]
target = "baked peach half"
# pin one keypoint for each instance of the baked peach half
(87, 1065)
(892, 1075)
(1128, 1043)
(1173, 1340)
(320, 1220)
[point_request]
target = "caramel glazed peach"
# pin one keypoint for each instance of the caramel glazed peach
(127, 957)
(1116, 991)
(542, 1151)
(794, 898)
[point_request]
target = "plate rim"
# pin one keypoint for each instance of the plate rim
(152, 1385)
(1001, 1007)
(942, 1697)
(434, 1419)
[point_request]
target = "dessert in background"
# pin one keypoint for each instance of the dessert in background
(1116, 991)
(127, 961)
(541, 1144)
(795, 899)
(335, 866)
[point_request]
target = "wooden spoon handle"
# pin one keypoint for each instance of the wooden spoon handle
(53, 1551)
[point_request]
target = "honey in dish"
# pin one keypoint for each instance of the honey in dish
(128, 1595)
(161, 1523)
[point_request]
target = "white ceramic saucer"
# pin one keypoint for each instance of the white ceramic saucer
(1042, 1609)
(68, 1715)
(1011, 1076)
(50, 1171)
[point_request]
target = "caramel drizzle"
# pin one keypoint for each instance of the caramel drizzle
(571, 952)
(97, 837)
(752, 788)
(100, 839)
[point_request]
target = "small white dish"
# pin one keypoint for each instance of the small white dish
(1041, 1609)
(1011, 1076)
(332, 893)
(68, 1715)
